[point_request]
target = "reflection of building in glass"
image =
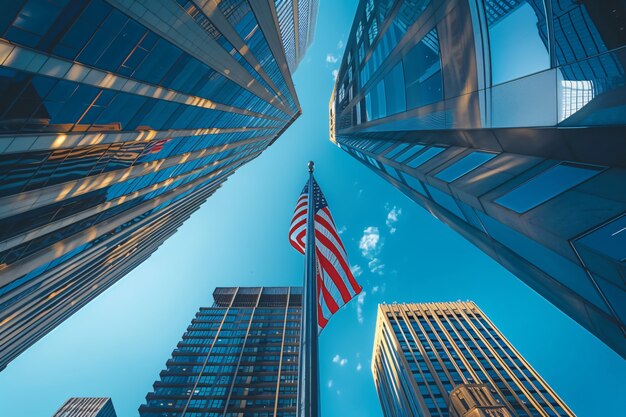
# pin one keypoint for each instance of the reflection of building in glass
(116, 124)
(237, 358)
(512, 134)
(448, 359)
(86, 407)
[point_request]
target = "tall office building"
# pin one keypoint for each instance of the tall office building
(118, 119)
(86, 407)
(237, 358)
(296, 19)
(448, 359)
(505, 120)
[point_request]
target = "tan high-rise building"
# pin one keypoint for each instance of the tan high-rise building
(449, 360)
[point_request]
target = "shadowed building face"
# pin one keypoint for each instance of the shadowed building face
(116, 123)
(505, 120)
(238, 357)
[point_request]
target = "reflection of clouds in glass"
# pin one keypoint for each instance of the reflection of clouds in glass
(517, 47)
(574, 96)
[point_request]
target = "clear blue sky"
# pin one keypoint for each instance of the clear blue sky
(116, 345)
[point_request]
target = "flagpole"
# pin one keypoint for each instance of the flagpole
(308, 382)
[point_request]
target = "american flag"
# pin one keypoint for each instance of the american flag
(335, 283)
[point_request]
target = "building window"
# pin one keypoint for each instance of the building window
(396, 151)
(465, 165)
(517, 38)
(547, 185)
(422, 72)
(425, 156)
(395, 90)
(609, 239)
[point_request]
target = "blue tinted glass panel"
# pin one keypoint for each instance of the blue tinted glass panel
(547, 185)
(415, 184)
(517, 38)
(445, 201)
(410, 153)
(464, 165)
(566, 272)
(425, 156)
(422, 71)
(396, 151)
(610, 239)
(394, 90)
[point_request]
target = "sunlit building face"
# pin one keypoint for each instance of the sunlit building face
(505, 120)
(449, 360)
(116, 123)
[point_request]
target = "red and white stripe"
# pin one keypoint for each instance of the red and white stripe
(335, 283)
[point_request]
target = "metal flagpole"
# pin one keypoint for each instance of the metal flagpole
(308, 382)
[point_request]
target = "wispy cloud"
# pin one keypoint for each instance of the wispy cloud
(359, 366)
(340, 44)
(342, 229)
(375, 289)
(335, 73)
(359, 306)
(341, 361)
(331, 59)
(376, 266)
(392, 218)
(356, 270)
(370, 243)
(330, 383)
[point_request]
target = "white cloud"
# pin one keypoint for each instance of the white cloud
(376, 266)
(341, 361)
(340, 44)
(359, 306)
(359, 366)
(356, 270)
(375, 289)
(342, 229)
(392, 218)
(331, 59)
(370, 243)
(335, 73)
(330, 383)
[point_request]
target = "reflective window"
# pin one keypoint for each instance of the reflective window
(445, 201)
(517, 37)
(465, 165)
(422, 72)
(410, 153)
(394, 90)
(425, 156)
(547, 185)
(609, 239)
(397, 151)
(415, 184)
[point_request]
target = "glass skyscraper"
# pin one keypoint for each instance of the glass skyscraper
(296, 19)
(448, 359)
(86, 407)
(505, 120)
(118, 119)
(237, 358)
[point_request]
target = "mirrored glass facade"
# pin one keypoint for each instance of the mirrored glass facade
(116, 123)
(449, 360)
(86, 407)
(237, 358)
(506, 120)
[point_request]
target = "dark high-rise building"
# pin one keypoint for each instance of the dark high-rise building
(505, 120)
(86, 407)
(237, 358)
(118, 119)
(449, 360)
